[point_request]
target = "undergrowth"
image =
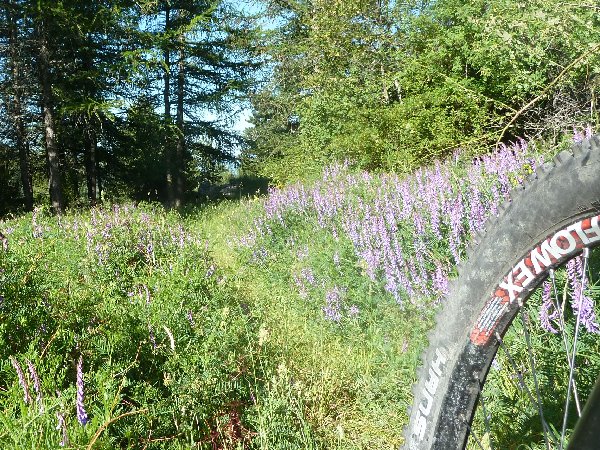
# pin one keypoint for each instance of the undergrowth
(291, 321)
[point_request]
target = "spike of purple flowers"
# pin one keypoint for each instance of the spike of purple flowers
(547, 305)
(332, 308)
(581, 303)
(190, 318)
(151, 336)
(36, 384)
(81, 413)
(22, 379)
(440, 281)
(584, 308)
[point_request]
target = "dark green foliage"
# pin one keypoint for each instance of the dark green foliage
(134, 161)
(98, 72)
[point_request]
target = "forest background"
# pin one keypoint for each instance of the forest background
(124, 99)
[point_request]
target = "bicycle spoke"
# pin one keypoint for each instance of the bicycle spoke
(563, 331)
(474, 435)
(585, 255)
(524, 319)
(516, 370)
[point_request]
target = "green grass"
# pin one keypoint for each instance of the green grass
(194, 338)
(259, 367)
(331, 385)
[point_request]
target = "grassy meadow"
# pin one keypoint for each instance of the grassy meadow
(289, 321)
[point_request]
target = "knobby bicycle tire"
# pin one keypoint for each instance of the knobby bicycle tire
(547, 222)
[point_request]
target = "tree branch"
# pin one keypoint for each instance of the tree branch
(546, 89)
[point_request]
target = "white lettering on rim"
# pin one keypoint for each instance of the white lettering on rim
(545, 255)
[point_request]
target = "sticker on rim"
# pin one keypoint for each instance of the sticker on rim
(548, 253)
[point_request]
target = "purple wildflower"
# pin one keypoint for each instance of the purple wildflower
(106, 233)
(477, 212)
(36, 384)
(150, 251)
(332, 308)
(151, 336)
(574, 270)
(81, 413)
(210, 271)
(190, 318)
(22, 379)
(303, 293)
(456, 227)
(418, 221)
(336, 259)
(547, 305)
(440, 281)
(260, 256)
(495, 201)
(308, 275)
(303, 252)
(583, 306)
(391, 284)
(297, 281)
(353, 311)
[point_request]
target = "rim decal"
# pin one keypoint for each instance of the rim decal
(532, 268)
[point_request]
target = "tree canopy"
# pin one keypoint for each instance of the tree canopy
(117, 98)
(120, 99)
(390, 85)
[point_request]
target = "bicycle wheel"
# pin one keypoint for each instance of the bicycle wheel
(552, 222)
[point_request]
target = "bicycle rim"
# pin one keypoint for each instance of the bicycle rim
(552, 221)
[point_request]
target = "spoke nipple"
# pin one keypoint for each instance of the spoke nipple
(586, 252)
(551, 273)
(498, 337)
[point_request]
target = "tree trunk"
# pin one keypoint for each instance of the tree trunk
(384, 89)
(90, 139)
(73, 174)
(24, 164)
(91, 144)
(180, 154)
(54, 182)
(16, 108)
(168, 153)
